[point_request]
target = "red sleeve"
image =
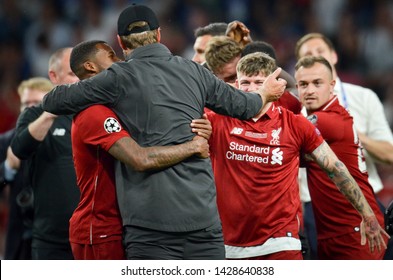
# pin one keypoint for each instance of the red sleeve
(289, 102)
(99, 125)
(211, 116)
(330, 125)
(311, 136)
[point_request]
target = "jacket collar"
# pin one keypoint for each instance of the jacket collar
(151, 50)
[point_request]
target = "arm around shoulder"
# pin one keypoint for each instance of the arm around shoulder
(73, 98)
(158, 157)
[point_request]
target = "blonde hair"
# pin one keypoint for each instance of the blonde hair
(255, 63)
(221, 50)
(136, 40)
(310, 36)
(37, 83)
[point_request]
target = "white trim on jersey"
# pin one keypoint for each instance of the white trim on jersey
(272, 245)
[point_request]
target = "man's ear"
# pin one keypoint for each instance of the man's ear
(236, 83)
(52, 76)
(332, 84)
(159, 35)
(121, 44)
(334, 58)
(89, 66)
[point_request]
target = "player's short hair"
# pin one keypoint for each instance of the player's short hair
(221, 50)
(309, 61)
(81, 53)
(213, 29)
(259, 46)
(255, 63)
(36, 83)
(310, 36)
(136, 40)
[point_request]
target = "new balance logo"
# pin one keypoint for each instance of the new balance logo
(59, 132)
(276, 156)
(237, 130)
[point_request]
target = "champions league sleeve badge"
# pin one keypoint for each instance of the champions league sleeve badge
(112, 125)
(313, 119)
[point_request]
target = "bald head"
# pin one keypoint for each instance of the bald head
(59, 68)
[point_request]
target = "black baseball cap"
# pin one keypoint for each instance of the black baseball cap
(136, 13)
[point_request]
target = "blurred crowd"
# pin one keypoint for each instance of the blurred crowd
(362, 31)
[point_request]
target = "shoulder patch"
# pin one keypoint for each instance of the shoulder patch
(312, 118)
(112, 125)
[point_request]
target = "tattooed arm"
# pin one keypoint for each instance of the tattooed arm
(339, 174)
(148, 158)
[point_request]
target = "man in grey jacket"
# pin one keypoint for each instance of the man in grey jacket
(172, 213)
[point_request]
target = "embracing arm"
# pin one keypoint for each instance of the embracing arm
(272, 88)
(340, 175)
(291, 83)
(152, 158)
(227, 100)
(73, 98)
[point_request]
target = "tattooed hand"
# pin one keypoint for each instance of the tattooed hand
(201, 146)
(371, 230)
(369, 227)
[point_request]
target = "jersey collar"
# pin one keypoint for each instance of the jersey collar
(270, 113)
(329, 103)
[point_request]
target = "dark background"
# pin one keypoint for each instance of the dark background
(362, 31)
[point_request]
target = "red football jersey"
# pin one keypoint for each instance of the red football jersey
(334, 215)
(289, 102)
(256, 173)
(97, 217)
